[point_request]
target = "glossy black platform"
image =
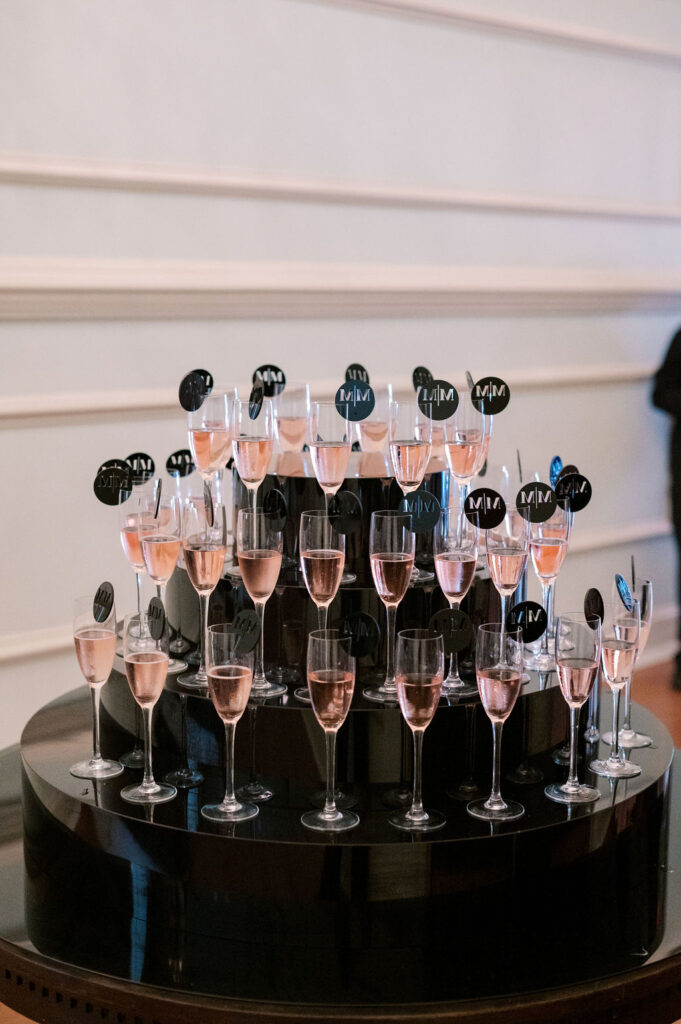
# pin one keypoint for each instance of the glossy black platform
(268, 911)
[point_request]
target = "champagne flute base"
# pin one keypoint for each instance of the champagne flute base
(184, 778)
(430, 822)
(421, 575)
(179, 645)
(221, 814)
(193, 681)
(348, 577)
(254, 792)
(613, 768)
(302, 693)
(561, 755)
(175, 666)
(193, 658)
(97, 769)
(265, 690)
(342, 800)
(628, 739)
(511, 811)
(381, 694)
(540, 662)
(525, 775)
(156, 794)
(582, 794)
(133, 758)
(318, 822)
(592, 735)
(459, 689)
(465, 792)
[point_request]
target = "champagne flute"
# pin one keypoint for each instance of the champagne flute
(507, 549)
(291, 415)
(95, 643)
(629, 739)
(160, 534)
(578, 653)
(331, 678)
(146, 668)
(373, 431)
(210, 435)
(499, 667)
(259, 547)
(204, 547)
(391, 552)
(253, 443)
(466, 442)
(322, 557)
(420, 670)
(410, 444)
(229, 684)
(456, 555)
(330, 441)
(548, 547)
(619, 645)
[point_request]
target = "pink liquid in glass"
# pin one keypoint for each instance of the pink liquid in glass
(146, 672)
(391, 573)
(410, 460)
(331, 692)
(95, 649)
(418, 697)
(506, 566)
(252, 456)
(499, 689)
(322, 571)
(576, 677)
(260, 572)
(330, 463)
(204, 562)
(229, 687)
(160, 556)
(455, 571)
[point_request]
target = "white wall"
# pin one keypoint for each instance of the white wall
(488, 186)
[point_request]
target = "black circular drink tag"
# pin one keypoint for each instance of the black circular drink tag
(484, 508)
(576, 488)
(345, 512)
(555, 469)
(593, 606)
(180, 463)
(438, 399)
(192, 391)
(103, 602)
(421, 376)
(364, 632)
(272, 378)
(490, 395)
(113, 482)
(142, 466)
(256, 399)
(355, 401)
(356, 371)
(207, 378)
(624, 592)
(530, 618)
(536, 502)
(424, 509)
(274, 507)
(567, 471)
(456, 628)
(156, 614)
(208, 503)
(247, 627)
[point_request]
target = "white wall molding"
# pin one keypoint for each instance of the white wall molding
(35, 643)
(456, 15)
(51, 405)
(74, 172)
(133, 289)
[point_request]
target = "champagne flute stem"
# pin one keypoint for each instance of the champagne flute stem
(547, 601)
(252, 719)
(504, 601)
(95, 694)
(330, 810)
(322, 614)
(615, 751)
(391, 611)
(138, 580)
(453, 674)
(572, 781)
(203, 608)
(148, 780)
(229, 800)
(463, 492)
(416, 810)
(259, 674)
(218, 486)
(254, 498)
(495, 802)
(626, 724)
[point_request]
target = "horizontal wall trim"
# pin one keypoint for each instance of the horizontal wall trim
(21, 646)
(456, 15)
(53, 404)
(134, 289)
(74, 172)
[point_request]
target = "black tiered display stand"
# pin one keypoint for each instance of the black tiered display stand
(139, 915)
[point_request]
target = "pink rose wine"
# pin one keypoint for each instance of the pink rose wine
(499, 688)
(455, 571)
(146, 672)
(548, 555)
(252, 456)
(330, 463)
(506, 566)
(410, 460)
(322, 571)
(160, 556)
(211, 447)
(576, 677)
(391, 572)
(373, 435)
(229, 687)
(618, 661)
(95, 649)
(260, 572)
(331, 693)
(204, 562)
(131, 543)
(291, 432)
(418, 699)
(465, 454)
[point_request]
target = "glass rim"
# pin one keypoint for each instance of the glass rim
(501, 629)
(391, 513)
(329, 635)
(420, 633)
(258, 511)
(318, 512)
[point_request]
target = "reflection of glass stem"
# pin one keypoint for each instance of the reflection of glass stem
(252, 719)
(403, 789)
(183, 733)
(470, 746)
